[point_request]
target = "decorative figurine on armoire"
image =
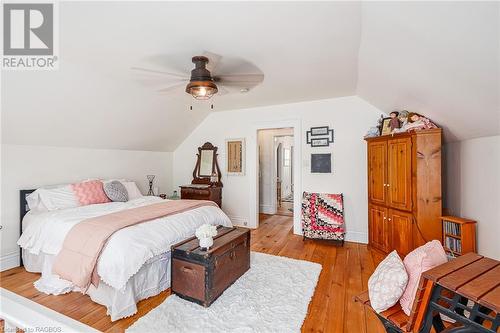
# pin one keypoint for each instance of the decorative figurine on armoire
(394, 122)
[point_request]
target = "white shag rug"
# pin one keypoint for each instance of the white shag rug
(273, 296)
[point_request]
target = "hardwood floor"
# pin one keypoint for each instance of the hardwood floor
(345, 273)
(285, 209)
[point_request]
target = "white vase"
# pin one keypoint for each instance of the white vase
(206, 242)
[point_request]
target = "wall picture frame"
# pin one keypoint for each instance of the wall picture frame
(321, 130)
(322, 142)
(320, 136)
(235, 157)
(321, 163)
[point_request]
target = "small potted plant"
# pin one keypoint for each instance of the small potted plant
(205, 235)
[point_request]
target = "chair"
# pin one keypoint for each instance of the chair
(396, 321)
(323, 216)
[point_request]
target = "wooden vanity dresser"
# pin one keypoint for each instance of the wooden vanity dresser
(202, 192)
(206, 183)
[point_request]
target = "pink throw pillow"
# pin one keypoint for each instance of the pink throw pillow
(416, 262)
(90, 192)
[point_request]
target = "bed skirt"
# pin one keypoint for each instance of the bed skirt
(150, 280)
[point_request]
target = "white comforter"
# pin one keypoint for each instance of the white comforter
(126, 250)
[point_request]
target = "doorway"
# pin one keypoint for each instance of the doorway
(276, 177)
(254, 170)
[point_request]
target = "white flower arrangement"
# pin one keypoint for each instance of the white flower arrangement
(206, 231)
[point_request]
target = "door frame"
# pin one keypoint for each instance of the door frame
(253, 171)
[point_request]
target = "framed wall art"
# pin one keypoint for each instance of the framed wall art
(320, 142)
(235, 157)
(319, 136)
(321, 163)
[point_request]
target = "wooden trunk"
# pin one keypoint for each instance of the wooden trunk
(202, 276)
(404, 190)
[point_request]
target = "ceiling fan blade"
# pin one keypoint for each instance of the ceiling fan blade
(213, 60)
(239, 78)
(221, 90)
(241, 81)
(154, 71)
(171, 88)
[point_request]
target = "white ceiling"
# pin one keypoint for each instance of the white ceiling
(437, 58)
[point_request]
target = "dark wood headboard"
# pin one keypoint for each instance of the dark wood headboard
(23, 209)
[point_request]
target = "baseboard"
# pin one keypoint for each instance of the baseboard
(9, 261)
(267, 209)
(356, 237)
(240, 221)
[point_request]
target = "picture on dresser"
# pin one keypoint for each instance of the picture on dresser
(386, 126)
(235, 157)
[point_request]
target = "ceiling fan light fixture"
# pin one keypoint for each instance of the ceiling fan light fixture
(201, 86)
(201, 90)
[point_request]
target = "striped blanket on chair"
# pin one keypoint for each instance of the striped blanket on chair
(323, 216)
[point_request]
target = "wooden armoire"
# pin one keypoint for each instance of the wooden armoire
(404, 190)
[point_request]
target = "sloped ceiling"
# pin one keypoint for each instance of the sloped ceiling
(306, 51)
(440, 59)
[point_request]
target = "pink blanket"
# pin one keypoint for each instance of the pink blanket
(77, 260)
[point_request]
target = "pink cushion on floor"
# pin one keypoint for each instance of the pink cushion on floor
(90, 192)
(416, 262)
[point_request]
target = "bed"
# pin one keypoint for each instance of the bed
(135, 262)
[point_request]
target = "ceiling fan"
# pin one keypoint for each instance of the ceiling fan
(208, 78)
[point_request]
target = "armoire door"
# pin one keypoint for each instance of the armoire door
(399, 173)
(401, 231)
(377, 172)
(379, 228)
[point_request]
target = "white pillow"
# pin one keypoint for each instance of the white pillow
(132, 190)
(58, 198)
(34, 202)
(388, 283)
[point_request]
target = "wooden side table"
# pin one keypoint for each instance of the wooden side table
(469, 279)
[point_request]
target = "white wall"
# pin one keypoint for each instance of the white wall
(350, 117)
(267, 168)
(472, 188)
(27, 167)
